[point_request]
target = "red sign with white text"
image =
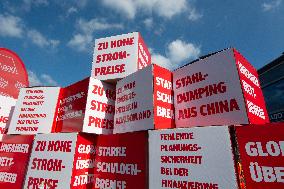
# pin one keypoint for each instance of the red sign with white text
(254, 99)
(163, 98)
(13, 74)
(72, 107)
(121, 161)
(144, 56)
(14, 157)
(261, 150)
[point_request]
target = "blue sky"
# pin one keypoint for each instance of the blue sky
(55, 38)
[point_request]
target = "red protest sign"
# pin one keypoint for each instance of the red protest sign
(121, 161)
(144, 100)
(253, 96)
(261, 151)
(14, 156)
(218, 90)
(13, 74)
(87, 106)
(116, 57)
(111, 161)
(72, 107)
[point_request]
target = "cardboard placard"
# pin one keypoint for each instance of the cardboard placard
(13, 74)
(51, 161)
(191, 158)
(118, 56)
(7, 106)
(35, 111)
(72, 106)
(14, 157)
(100, 108)
(111, 161)
(261, 151)
(87, 106)
(255, 104)
(209, 92)
(144, 101)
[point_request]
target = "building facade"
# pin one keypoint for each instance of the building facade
(272, 82)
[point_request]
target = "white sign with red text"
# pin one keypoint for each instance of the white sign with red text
(191, 158)
(100, 108)
(139, 96)
(7, 104)
(209, 92)
(51, 161)
(118, 56)
(35, 111)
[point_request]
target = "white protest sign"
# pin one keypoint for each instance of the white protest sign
(100, 108)
(208, 92)
(51, 161)
(134, 102)
(35, 111)
(191, 158)
(118, 56)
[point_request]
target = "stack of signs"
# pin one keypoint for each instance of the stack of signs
(72, 160)
(261, 151)
(7, 105)
(35, 111)
(144, 100)
(223, 88)
(200, 157)
(87, 106)
(14, 157)
(118, 56)
(13, 74)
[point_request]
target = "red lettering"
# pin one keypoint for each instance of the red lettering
(110, 70)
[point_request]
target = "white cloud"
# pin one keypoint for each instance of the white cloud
(96, 24)
(148, 22)
(71, 10)
(81, 3)
(271, 5)
(178, 53)
(11, 26)
(27, 4)
(162, 61)
(166, 9)
(40, 40)
(41, 80)
(170, 8)
(48, 80)
(127, 7)
(81, 42)
(83, 39)
(194, 15)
